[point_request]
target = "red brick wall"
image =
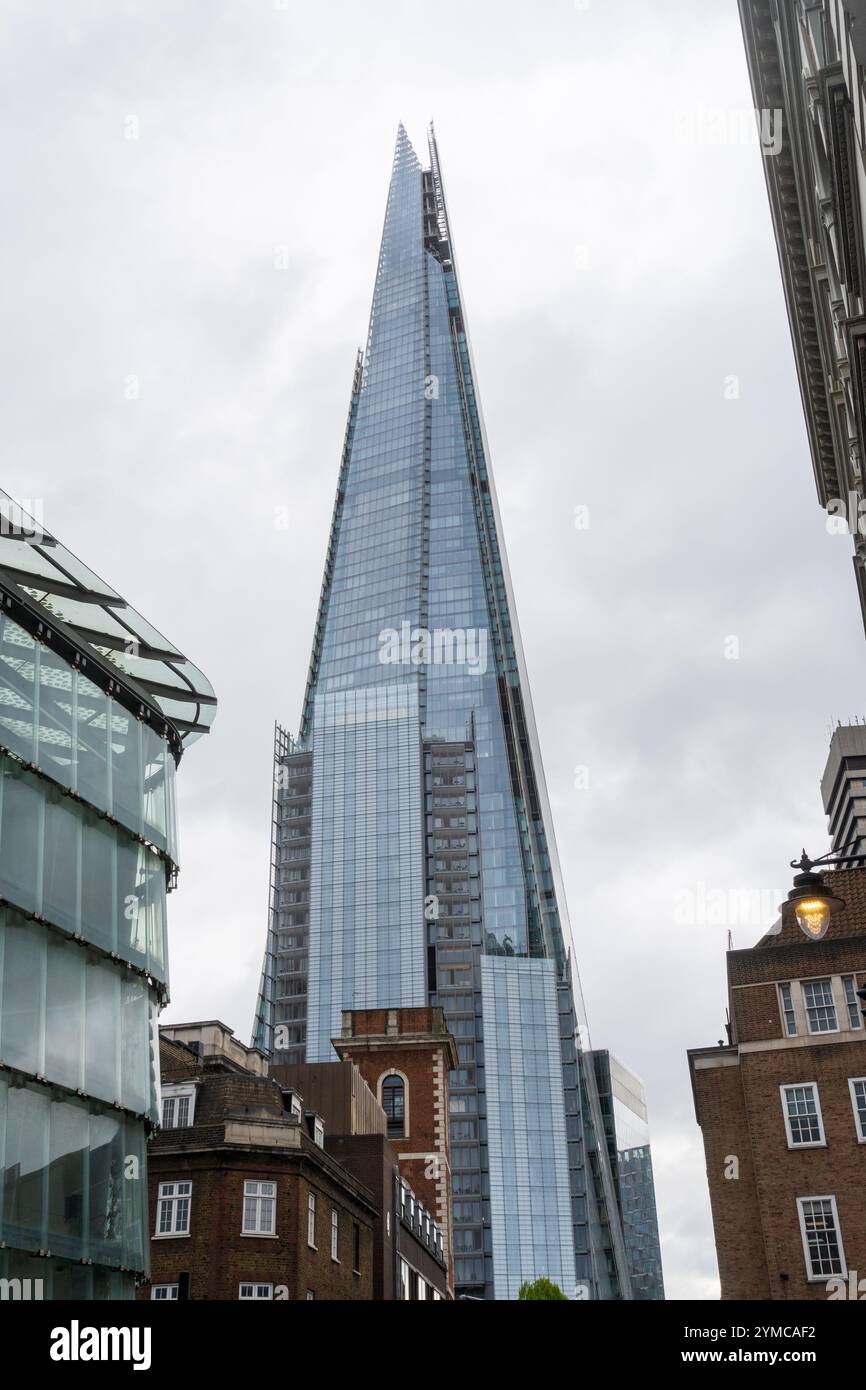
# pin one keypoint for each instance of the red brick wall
(428, 1169)
(757, 1229)
(733, 1199)
(785, 1174)
(415, 1043)
(218, 1257)
(755, 1013)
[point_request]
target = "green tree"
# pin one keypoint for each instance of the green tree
(541, 1288)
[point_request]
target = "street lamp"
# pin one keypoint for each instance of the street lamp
(810, 898)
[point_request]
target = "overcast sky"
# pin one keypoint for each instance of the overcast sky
(194, 198)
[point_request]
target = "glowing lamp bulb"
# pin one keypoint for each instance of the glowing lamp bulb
(813, 915)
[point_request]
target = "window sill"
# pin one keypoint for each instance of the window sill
(171, 1235)
(259, 1235)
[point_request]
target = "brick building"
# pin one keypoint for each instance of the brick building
(260, 1189)
(404, 1057)
(782, 1109)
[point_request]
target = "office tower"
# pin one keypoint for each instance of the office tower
(95, 711)
(806, 63)
(623, 1105)
(413, 854)
(843, 789)
(782, 1109)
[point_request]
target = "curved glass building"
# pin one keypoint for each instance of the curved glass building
(413, 853)
(95, 710)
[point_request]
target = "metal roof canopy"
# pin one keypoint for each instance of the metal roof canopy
(52, 587)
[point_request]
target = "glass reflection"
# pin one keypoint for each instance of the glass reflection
(55, 717)
(72, 1016)
(62, 1178)
(60, 860)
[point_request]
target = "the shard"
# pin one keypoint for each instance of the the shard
(413, 852)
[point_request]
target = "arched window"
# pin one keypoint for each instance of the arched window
(394, 1105)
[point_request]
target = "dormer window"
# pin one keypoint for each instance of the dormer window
(293, 1105)
(319, 1133)
(178, 1105)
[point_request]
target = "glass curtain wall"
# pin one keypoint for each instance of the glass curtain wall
(87, 849)
(430, 863)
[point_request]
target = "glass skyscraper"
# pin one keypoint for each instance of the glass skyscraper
(95, 709)
(413, 856)
(623, 1105)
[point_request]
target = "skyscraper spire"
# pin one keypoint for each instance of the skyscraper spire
(414, 859)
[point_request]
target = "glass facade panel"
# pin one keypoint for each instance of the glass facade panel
(623, 1107)
(71, 1015)
(532, 1235)
(54, 716)
(114, 894)
(367, 887)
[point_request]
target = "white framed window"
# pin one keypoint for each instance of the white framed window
(789, 1017)
(852, 1003)
(260, 1208)
(255, 1291)
(422, 1288)
(163, 1293)
(820, 1006)
(857, 1087)
(802, 1110)
(311, 1221)
(335, 1236)
(822, 1239)
(311, 1297)
(173, 1208)
(404, 1280)
(319, 1133)
(178, 1106)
